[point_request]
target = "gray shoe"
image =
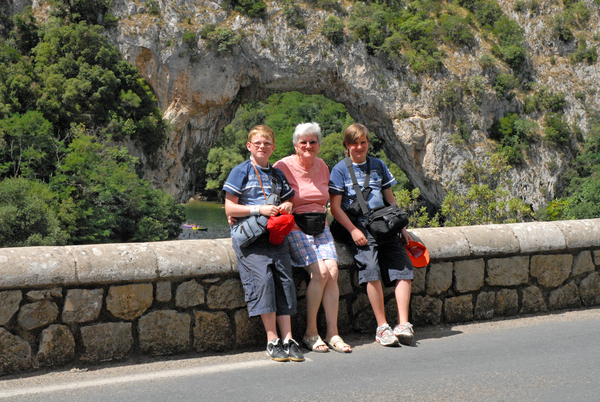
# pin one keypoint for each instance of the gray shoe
(386, 336)
(276, 352)
(405, 333)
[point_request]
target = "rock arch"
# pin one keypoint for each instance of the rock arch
(200, 94)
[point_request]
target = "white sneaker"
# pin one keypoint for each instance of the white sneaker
(405, 333)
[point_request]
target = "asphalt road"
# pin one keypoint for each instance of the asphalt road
(547, 358)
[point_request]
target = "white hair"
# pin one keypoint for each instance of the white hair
(303, 129)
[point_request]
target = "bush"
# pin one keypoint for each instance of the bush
(455, 30)
(189, 38)
(584, 53)
(152, 8)
(557, 130)
(505, 83)
(333, 29)
(487, 61)
(222, 40)
(251, 8)
(293, 14)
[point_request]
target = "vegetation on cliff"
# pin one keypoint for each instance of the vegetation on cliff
(66, 99)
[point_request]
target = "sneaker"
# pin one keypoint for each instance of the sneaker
(292, 349)
(405, 333)
(386, 336)
(275, 351)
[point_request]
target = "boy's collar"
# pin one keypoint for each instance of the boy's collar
(262, 167)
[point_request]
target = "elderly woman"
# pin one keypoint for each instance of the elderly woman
(311, 243)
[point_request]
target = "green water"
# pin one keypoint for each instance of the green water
(207, 214)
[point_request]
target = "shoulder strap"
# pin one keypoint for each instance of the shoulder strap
(359, 197)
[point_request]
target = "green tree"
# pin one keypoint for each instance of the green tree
(31, 214)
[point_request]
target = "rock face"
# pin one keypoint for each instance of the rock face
(199, 90)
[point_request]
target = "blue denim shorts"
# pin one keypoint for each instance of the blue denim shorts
(266, 274)
(384, 260)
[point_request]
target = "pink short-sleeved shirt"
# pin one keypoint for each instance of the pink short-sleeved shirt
(311, 187)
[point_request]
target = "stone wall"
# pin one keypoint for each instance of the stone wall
(62, 305)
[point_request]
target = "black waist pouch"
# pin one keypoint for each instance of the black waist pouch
(311, 223)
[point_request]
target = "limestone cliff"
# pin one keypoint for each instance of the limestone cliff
(199, 89)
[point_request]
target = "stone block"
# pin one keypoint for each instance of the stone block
(418, 282)
(345, 282)
(485, 306)
(185, 258)
(129, 301)
(113, 263)
(46, 294)
(229, 295)
(391, 312)
(507, 302)
(164, 332)
(551, 270)
(345, 260)
(469, 275)
(31, 267)
(589, 289)
(583, 263)
(9, 305)
(360, 303)
(344, 322)
(212, 331)
(583, 233)
(189, 294)
(487, 240)
(533, 301)
(365, 321)
(38, 314)
(597, 257)
(82, 305)
(249, 331)
(57, 346)
(426, 310)
(15, 353)
(444, 242)
(439, 278)
(534, 237)
(106, 341)
(508, 271)
(458, 309)
(564, 297)
(163, 291)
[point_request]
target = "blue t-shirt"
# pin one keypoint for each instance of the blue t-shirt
(244, 184)
(340, 182)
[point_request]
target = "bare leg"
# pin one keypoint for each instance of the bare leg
(319, 277)
(331, 298)
(403, 288)
(285, 327)
(375, 293)
(269, 322)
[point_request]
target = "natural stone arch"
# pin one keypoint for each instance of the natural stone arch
(201, 97)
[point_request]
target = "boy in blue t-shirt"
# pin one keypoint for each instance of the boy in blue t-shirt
(265, 269)
(377, 260)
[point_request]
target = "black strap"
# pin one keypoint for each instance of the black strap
(359, 197)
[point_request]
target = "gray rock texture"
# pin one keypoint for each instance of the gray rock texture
(212, 331)
(38, 314)
(57, 346)
(533, 301)
(229, 295)
(508, 271)
(107, 341)
(82, 305)
(9, 304)
(583, 263)
(426, 310)
(439, 278)
(485, 306)
(551, 270)
(566, 296)
(164, 332)
(507, 302)
(163, 291)
(189, 294)
(15, 353)
(469, 275)
(459, 309)
(249, 331)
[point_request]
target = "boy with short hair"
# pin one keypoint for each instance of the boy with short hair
(265, 269)
(377, 260)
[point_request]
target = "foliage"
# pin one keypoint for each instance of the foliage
(333, 29)
(152, 8)
(454, 29)
(293, 14)
(189, 38)
(222, 40)
(487, 61)
(30, 214)
(556, 130)
(487, 199)
(76, 11)
(410, 201)
(450, 97)
(504, 83)
(514, 135)
(112, 204)
(251, 8)
(584, 53)
(544, 100)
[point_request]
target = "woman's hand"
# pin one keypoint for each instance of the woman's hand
(268, 210)
(406, 238)
(359, 237)
(286, 208)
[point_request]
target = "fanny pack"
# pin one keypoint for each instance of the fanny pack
(311, 223)
(382, 222)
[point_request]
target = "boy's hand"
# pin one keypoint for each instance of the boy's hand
(231, 220)
(269, 210)
(286, 208)
(359, 237)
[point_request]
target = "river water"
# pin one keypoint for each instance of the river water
(208, 215)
